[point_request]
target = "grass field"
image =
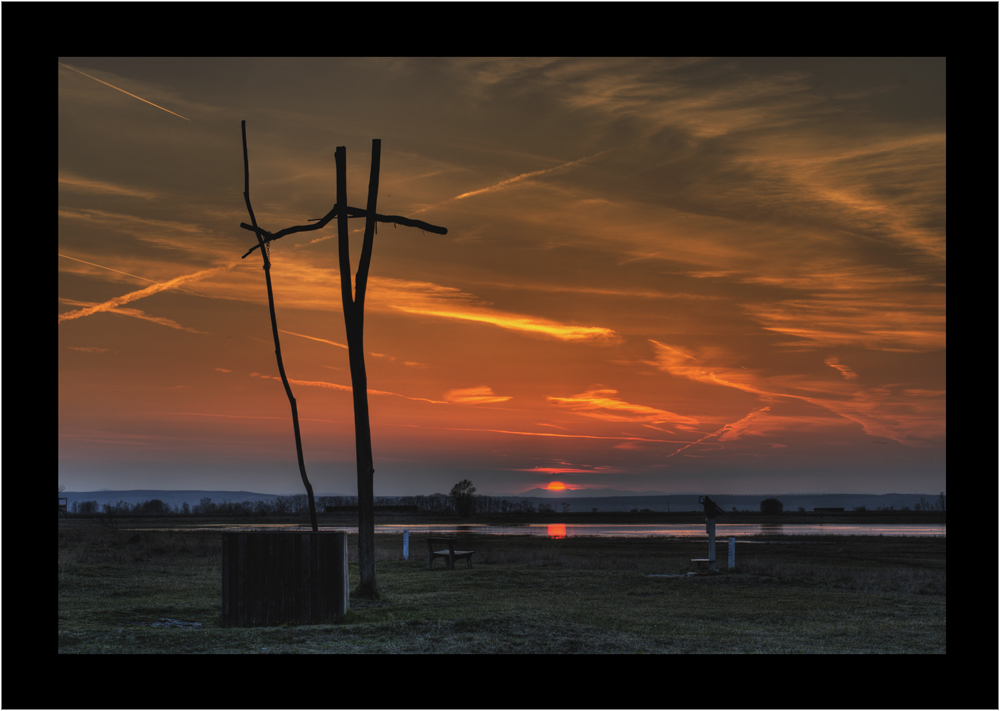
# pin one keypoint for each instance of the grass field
(524, 594)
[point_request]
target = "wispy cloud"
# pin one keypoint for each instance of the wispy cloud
(474, 396)
(570, 469)
(346, 388)
(676, 361)
(844, 370)
(600, 404)
(142, 293)
(136, 313)
(887, 411)
(123, 91)
(553, 434)
(515, 322)
(75, 182)
(89, 349)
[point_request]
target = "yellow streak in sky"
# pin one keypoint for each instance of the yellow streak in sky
(123, 91)
(598, 402)
(148, 291)
(520, 323)
(475, 396)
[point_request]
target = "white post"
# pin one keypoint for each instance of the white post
(711, 545)
(732, 554)
(406, 545)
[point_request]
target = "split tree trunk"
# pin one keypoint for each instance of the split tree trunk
(354, 316)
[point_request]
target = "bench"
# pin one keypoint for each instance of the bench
(451, 555)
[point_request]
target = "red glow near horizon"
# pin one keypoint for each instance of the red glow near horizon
(557, 530)
(555, 486)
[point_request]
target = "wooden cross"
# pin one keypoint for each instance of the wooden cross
(354, 323)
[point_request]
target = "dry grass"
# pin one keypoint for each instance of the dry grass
(525, 594)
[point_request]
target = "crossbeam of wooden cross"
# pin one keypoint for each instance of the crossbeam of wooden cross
(351, 212)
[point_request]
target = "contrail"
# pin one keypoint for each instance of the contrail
(118, 271)
(123, 91)
(313, 338)
(523, 176)
(134, 276)
(722, 429)
(148, 291)
(510, 181)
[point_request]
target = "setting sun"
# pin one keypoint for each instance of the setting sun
(555, 486)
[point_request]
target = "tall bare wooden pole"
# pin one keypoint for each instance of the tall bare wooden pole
(274, 331)
(354, 321)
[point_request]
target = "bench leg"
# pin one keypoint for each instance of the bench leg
(469, 560)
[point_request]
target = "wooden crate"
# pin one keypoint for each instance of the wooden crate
(274, 577)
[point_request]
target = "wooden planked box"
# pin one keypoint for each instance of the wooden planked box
(274, 577)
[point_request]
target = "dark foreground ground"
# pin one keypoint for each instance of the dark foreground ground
(523, 595)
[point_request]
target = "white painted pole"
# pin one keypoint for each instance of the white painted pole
(406, 545)
(711, 545)
(732, 554)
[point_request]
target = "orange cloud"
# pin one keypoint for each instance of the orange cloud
(908, 418)
(75, 182)
(598, 403)
(474, 396)
(515, 322)
(835, 363)
(675, 361)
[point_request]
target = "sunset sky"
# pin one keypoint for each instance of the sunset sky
(722, 276)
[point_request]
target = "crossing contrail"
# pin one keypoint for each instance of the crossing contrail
(123, 91)
(510, 181)
(524, 176)
(148, 291)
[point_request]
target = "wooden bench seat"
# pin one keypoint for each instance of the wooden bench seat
(450, 555)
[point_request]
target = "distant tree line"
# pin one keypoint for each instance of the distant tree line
(460, 501)
(437, 503)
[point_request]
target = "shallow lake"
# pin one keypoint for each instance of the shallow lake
(722, 530)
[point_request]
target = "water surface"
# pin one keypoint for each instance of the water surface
(680, 530)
